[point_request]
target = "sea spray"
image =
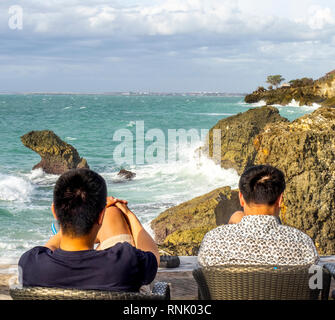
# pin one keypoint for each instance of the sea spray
(13, 188)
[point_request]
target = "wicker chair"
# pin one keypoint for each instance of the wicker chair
(241, 282)
(331, 269)
(160, 291)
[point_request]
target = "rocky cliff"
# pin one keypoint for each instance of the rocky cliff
(321, 91)
(57, 156)
(237, 134)
(304, 149)
(180, 230)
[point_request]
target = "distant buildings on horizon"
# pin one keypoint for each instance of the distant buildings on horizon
(135, 93)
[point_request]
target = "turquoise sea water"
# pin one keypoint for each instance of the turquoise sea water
(89, 123)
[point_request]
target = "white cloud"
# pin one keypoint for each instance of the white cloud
(201, 36)
(320, 17)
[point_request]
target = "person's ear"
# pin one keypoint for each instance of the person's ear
(53, 211)
(101, 217)
(242, 201)
(280, 200)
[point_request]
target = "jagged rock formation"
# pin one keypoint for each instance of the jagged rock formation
(321, 91)
(305, 150)
(57, 156)
(180, 230)
(127, 175)
(237, 135)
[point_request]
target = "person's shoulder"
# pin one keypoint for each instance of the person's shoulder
(37, 250)
(295, 234)
(126, 251)
(125, 248)
(221, 230)
(33, 252)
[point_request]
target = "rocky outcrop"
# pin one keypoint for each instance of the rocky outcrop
(127, 175)
(57, 156)
(321, 91)
(180, 230)
(237, 134)
(305, 150)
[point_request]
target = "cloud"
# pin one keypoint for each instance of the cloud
(180, 39)
(320, 17)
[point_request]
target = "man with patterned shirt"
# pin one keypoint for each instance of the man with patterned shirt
(256, 236)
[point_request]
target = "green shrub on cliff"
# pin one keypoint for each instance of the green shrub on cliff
(275, 80)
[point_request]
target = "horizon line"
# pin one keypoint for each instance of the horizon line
(126, 93)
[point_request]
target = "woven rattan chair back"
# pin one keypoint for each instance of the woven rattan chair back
(161, 291)
(240, 282)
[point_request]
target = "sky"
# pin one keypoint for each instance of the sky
(163, 45)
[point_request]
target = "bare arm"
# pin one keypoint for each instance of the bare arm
(142, 238)
(53, 242)
(236, 217)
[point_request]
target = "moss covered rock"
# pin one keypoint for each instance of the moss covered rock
(305, 151)
(57, 156)
(180, 229)
(304, 92)
(237, 134)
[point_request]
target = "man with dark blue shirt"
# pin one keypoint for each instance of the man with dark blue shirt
(126, 256)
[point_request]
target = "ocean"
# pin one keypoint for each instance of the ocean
(90, 123)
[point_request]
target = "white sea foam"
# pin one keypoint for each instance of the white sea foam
(13, 188)
(39, 177)
(70, 138)
(215, 114)
(131, 124)
(295, 104)
(260, 103)
(173, 182)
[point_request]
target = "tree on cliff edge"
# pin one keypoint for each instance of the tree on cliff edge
(275, 80)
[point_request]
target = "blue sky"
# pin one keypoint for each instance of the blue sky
(171, 45)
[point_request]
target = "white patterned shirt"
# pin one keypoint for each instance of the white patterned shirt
(257, 240)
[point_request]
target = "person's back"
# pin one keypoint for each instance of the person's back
(256, 236)
(125, 259)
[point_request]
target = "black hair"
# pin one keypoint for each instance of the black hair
(79, 198)
(262, 184)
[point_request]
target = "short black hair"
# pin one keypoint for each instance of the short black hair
(262, 184)
(79, 198)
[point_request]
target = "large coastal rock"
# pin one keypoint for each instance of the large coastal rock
(304, 91)
(237, 136)
(305, 150)
(180, 230)
(57, 156)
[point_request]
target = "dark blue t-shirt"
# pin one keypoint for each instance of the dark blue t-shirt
(119, 268)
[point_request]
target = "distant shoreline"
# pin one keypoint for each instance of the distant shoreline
(133, 93)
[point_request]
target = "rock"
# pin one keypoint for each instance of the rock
(167, 261)
(305, 151)
(57, 156)
(237, 135)
(226, 207)
(128, 175)
(180, 230)
(329, 103)
(302, 91)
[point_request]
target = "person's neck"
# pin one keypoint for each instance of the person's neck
(69, 243)
(261, 210)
